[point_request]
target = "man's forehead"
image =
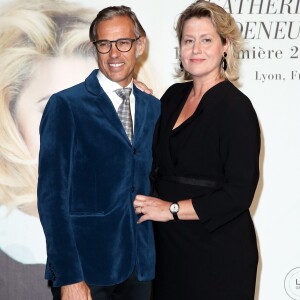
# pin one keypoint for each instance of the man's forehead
(121, 26)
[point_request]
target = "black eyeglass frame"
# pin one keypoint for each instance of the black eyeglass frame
(116, 44)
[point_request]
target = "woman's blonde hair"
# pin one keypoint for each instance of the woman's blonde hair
(30, 31)
(226, 28)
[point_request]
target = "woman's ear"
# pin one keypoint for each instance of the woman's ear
(226, 45)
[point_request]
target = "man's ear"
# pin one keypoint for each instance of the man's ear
(140, 46)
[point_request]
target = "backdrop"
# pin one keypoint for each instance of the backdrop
(270, 78)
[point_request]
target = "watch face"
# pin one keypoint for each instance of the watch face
(174, 208)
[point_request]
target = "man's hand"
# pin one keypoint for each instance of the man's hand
(76, 291)
(143, 87)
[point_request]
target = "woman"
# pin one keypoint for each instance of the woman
(44, 48)
(206, 152)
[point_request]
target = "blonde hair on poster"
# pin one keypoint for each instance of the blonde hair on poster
(30, 32)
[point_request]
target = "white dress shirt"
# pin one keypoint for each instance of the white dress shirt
(109, 87)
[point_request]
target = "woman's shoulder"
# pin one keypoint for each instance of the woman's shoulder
(176, 90)
(180, 86)
(236, 106)
(234, 97)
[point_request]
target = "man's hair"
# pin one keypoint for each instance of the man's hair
(116, 11)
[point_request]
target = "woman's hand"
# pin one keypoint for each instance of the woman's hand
(152, 209)
(142, 87)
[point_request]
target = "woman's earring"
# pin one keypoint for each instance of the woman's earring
(224, 61)
(181, 66)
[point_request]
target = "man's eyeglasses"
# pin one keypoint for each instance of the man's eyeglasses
(123, 45)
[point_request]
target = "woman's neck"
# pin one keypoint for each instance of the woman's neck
(202, 86)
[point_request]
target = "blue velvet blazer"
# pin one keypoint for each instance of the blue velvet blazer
(89, 174)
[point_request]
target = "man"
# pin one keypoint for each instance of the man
(92, 164)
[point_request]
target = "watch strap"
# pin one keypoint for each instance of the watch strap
(175, 216)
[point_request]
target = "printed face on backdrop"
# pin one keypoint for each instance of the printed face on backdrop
(116, 65)
(51, 76)
(201, 48)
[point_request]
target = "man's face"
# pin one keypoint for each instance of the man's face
(116, 65)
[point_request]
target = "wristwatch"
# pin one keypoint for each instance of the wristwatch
(174, 209)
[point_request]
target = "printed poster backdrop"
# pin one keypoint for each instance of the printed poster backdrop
(44, 48)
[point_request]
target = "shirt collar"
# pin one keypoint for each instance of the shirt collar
(108, 85)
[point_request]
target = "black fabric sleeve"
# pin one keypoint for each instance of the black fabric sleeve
(239, 151)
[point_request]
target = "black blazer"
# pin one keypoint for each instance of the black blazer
(220, 142)
(218, 146)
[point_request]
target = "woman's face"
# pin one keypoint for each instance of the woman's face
(51, 76)
(201, 48)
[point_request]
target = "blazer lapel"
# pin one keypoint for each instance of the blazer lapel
(183, 95)
(140, 114)
(105, 104)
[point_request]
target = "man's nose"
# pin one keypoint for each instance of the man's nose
(114, 52)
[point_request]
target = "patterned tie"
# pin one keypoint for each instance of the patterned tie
(124, 111)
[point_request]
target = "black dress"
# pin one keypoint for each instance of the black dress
(213, 159)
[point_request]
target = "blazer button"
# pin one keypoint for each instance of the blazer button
(132, 189)
(134, 151)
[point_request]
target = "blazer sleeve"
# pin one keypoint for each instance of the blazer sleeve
(239, 153)
(57, 136)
